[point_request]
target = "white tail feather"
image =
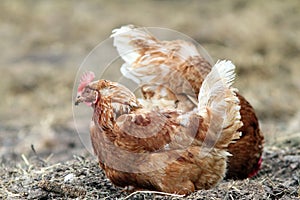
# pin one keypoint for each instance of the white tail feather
(214, 86)
(218, 102)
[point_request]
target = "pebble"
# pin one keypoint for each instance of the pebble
(69, 177)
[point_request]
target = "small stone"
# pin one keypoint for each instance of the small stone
(292, 158)
(69, 178)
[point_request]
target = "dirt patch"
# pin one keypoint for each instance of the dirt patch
(81, 177)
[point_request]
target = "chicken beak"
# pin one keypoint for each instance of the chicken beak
(78, 100)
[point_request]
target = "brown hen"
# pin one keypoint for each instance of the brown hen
(174, 70)
(163, 149)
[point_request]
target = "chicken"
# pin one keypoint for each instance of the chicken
(163, 149)
(174, 70)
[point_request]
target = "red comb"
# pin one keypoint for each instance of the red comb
(85, 79)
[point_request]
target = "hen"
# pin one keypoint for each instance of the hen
(163, 149)
(174, 70)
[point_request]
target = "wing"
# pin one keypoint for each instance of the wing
(175, 65)
(146, 131)
(218, 103)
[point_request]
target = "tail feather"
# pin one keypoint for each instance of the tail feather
(218, 103)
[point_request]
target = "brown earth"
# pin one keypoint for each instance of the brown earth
(44, 42)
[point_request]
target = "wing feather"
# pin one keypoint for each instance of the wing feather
(219, 103)
(146, 131)
(149, 60)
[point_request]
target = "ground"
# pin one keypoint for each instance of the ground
(36, 179)
(43, 44)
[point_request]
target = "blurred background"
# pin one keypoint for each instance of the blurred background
(43, 43)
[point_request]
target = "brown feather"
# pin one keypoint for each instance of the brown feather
(247, 151)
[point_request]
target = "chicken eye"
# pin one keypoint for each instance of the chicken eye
(87, 91)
